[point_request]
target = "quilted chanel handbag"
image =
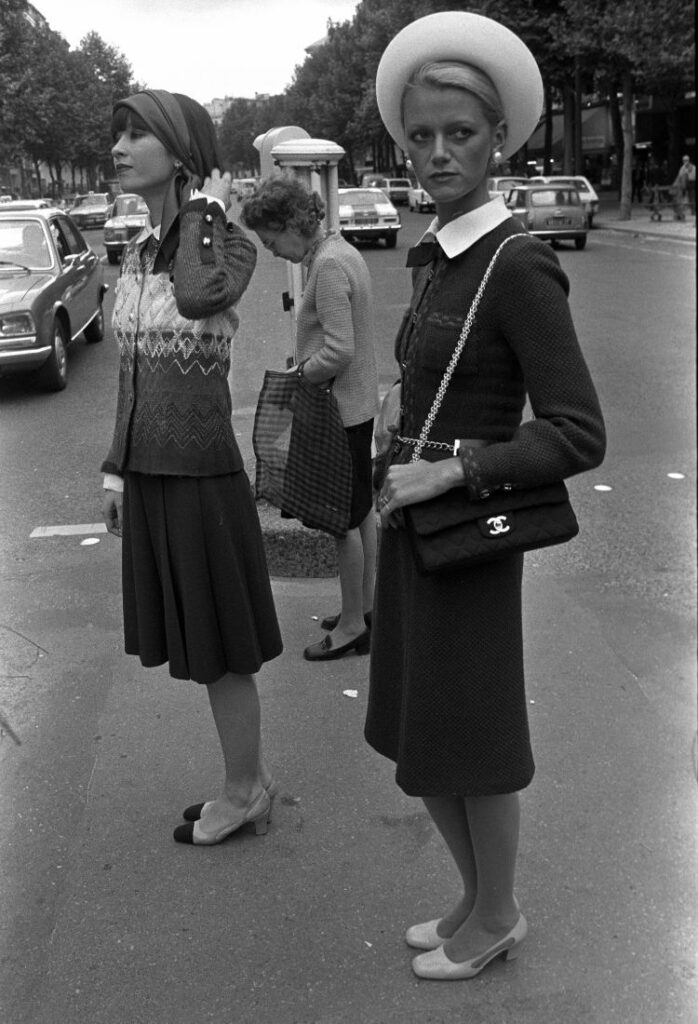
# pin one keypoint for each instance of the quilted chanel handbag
(451, 532)
(303, 462)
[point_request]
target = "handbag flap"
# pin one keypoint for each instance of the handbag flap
(454, 507)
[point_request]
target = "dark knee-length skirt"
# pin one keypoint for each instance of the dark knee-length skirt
(196, 590)
(447, 701)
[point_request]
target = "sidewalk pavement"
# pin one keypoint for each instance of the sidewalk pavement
(306, 924)
(641, 222)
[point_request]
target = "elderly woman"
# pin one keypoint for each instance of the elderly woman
(196, 591)
(447, 702)
(334, 342)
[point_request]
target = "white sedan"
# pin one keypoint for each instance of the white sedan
(366, 214)
(590, 200)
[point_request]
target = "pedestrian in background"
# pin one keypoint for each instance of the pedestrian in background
(196, 591)
(685, 182)
(447, 701)
(334, 342)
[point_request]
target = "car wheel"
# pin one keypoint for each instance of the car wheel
(580, 242)
(113, 257)
(391, 240)
(53, 375)
(95, 330)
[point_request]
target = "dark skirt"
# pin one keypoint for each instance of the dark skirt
(447, 701)
(196, 589)
(359, 439)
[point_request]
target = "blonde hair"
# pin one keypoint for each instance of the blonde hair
(447, 74)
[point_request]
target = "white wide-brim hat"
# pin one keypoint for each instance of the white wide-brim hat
(469, 39)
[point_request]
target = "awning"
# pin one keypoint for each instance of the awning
(596, 132)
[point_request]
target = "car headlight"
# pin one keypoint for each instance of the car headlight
(13, 325)
(112, 234)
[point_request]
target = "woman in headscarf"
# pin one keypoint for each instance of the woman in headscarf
(447, 700)
(196, 591)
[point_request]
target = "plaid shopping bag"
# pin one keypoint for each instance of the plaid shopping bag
(303, 460)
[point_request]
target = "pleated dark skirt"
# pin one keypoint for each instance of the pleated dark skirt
(447, 701)
(196, 590)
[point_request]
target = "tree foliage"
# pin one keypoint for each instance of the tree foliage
(55, 103)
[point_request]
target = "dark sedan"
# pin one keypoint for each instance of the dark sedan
(91, 210)
(51, 291)
(127, 218)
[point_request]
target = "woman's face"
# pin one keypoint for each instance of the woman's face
(450, 143)
(142, 163)
(288, 244)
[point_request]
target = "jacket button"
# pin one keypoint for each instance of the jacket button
(208, 218)
(484, 494)
(206, 242)
(507, 487)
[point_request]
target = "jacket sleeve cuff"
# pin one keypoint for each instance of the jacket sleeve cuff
(112, 482)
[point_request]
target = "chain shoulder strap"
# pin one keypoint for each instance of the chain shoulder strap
(453, 362)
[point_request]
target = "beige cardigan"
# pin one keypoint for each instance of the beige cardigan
(335, 329)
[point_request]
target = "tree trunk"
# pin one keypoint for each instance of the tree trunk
(626, 178)
(617, 127)
(568, 115)
(578, 157)
(548, 141)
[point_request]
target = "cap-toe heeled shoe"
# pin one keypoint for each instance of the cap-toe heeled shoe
(257, 812)
(195, 811)
(436, 966)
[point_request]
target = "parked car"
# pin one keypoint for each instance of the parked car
(91, 210)
(51, 291)
(551, 213)
(419, 199)
(27, 204)
(590, 200)
(127, 218)
(504, 185)
(396, 189)
(366, 214)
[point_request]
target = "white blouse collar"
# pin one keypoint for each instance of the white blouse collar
(459, 234)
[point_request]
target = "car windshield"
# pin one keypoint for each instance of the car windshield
(555, 197)
(362, 197)
(96, 199)
(24, 242)
(128, 206)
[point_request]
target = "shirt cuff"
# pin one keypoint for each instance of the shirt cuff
(112, 482)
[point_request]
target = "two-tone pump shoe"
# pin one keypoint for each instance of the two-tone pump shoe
(256, 813)
(437, 966)
(196, 811)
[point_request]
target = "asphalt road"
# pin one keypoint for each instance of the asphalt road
(81, 747)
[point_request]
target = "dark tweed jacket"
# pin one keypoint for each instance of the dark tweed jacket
(174, 332)
(523, 343)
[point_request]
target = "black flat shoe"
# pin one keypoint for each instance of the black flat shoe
(331, 621)
(324, 651)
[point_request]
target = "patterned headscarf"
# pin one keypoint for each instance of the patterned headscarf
(187, 132)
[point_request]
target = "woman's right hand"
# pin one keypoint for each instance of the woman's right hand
(218, 186)
(112, 510)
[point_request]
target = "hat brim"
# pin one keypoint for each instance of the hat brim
(469, 39)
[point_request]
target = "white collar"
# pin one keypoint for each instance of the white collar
(462, 232)
(147, 230)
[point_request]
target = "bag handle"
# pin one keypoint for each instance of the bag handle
(450, 369)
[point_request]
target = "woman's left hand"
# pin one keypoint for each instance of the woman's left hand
(416, 481)
(218, 186)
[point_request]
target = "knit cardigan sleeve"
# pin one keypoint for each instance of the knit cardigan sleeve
(567, 434)
(214, 263)
(332, 290)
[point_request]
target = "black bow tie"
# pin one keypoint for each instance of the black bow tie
(425, 252)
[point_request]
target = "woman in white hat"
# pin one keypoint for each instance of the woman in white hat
(447, 700)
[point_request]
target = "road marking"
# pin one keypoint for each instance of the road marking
(646, 252)
(67, 530)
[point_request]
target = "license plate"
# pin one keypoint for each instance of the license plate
(557, 221)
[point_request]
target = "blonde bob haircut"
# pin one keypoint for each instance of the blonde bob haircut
(450, 74)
